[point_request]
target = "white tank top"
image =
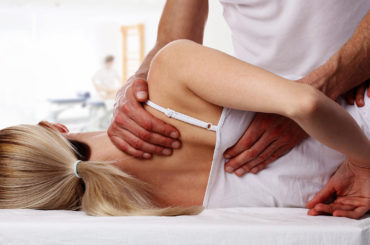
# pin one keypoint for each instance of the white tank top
(290, 181)
(291, 37)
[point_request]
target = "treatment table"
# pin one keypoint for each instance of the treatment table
(215, 226)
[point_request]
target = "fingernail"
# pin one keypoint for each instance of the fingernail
(239, 172)
(229, 169)
(147, 155)
(166, 152)
(174, 135)
(176, 145)
(141, 95)
(254, 170)
(227, 156)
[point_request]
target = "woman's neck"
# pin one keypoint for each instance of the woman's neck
(100, 146)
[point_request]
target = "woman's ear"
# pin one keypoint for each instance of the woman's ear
(57, 126)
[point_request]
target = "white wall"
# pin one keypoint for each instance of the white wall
(51, 49)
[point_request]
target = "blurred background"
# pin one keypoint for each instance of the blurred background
(63, 60)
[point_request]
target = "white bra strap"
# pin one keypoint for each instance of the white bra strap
(182, 117)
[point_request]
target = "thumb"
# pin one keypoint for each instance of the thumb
(322, 195)
(140, 88)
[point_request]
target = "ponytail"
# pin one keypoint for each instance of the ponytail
(109, 191)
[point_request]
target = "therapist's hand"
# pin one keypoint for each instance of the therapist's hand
(134, 130)
(357, 94)
(268, 137)
(351, 185)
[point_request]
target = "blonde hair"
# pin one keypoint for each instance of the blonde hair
(36, 172)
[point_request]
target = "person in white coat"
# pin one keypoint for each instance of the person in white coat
(106, 80)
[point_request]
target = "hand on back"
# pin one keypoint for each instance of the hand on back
(134, 130)
(267, 138)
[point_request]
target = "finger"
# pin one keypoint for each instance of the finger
(350, 97)
(368, 88)
(258, 168)
(246, 156)
(140, 89)
(259, 160)
(141, 145)
(277, 154)
(330, 208)
(360, 94)
(152, 124)
(355, 214)
(249, 138)
(321, 196)
(313, 212)
(125, 147)
(125, 122)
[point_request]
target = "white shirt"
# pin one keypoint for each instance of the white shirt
(291, 37)
(107, 78)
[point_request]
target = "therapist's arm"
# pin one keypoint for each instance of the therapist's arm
(347, 68)
(271, 136)
(134, 130)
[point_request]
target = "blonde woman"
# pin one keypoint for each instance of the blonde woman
(45, 167)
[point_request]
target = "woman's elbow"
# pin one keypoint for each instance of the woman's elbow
(309, 102)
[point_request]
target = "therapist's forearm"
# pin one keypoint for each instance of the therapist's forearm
(348, 67)
(181, 19)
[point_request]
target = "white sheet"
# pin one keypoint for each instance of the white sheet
(218, 226)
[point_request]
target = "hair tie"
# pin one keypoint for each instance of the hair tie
(75, 168)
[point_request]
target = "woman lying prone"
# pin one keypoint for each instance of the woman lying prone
(46, 167)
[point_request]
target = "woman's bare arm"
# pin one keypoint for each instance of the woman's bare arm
(225, 81)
